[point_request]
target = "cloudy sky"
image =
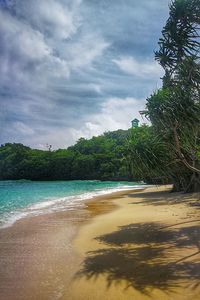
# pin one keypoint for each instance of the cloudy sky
(72, 68)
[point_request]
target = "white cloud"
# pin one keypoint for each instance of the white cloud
(39, 42)
(26, 53)
(137, 68)
(85, 50)
(116, 113)
(20, 39)
(51, 17)
(23, 129)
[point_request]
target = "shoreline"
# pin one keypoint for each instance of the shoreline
(73, 202)
(34, 248)
(87, 253)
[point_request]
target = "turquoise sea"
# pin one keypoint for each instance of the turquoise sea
(24, 198)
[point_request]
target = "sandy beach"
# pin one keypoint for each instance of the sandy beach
(128, 245)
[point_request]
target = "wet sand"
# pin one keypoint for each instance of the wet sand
(37, 261)
(128, 245)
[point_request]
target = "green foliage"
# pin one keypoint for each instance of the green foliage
(169, 150)
(180, 34)
(174, 110)
(98, 158)
(147, 155)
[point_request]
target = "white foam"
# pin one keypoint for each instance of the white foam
(60, 204)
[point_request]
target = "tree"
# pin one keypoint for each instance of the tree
(174, 110)
(97, 158)
(147, 156)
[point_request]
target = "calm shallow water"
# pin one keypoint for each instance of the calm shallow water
(23, 198)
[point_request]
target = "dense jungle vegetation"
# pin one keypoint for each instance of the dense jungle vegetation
(174, 110)
(101, 157)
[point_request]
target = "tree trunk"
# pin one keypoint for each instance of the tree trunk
(180, 154)
(194, 184)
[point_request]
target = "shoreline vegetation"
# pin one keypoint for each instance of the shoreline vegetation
(131, 244)
(100, 158)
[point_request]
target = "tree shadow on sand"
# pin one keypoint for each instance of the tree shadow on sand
(165, 198)
(139, 234)
(131, 266)
(138, 255)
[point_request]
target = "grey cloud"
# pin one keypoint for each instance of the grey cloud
(63, 65)
(142, 69)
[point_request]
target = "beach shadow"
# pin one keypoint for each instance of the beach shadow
(138, 255)
(165, 198)
(132, 266)
(139, 234)
(192, 271)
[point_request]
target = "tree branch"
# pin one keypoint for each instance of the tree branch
(180, 154)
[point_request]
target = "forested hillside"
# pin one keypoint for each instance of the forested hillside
(101, 157)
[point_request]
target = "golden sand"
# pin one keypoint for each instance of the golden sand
(147, 248)
(128, 245)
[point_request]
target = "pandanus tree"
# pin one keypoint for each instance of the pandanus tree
(146, 156)
(174, 110)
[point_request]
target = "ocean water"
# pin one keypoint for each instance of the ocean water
(24, 198)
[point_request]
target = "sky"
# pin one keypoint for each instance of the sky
(75, 68)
